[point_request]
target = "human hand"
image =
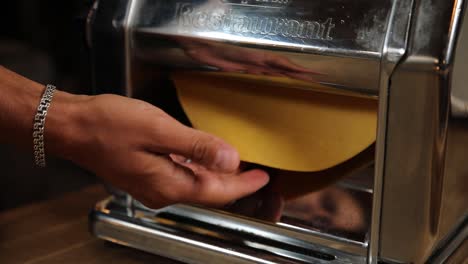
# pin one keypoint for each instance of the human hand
(128, 143)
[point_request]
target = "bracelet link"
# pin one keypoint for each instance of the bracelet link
(39, 125)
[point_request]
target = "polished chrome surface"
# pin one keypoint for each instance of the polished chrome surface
(459, 95)
(424, 181)
(453, 242)
(168, 232)
(460, 255)
(336, 42)
(336, 217)
(393, 50)
(411, 54)
(105, 36)
(128, 24)
(453, 195)
(337, 26)
(340, 212)
(289, 234)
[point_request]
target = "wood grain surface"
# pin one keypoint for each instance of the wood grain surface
(56, 231)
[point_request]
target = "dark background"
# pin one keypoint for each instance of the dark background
(44, 41)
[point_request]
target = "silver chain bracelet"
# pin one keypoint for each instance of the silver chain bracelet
(39, 125)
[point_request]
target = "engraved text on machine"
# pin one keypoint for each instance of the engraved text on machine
(231, 22)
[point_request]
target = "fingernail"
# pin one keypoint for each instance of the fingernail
(226, 160)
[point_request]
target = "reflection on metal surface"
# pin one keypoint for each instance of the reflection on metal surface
(168, 232)
(334, 211)
(337, 211)
(303, 71)
(459, 107)
(424, 167)
(331, 40)
(393, 50)
(262, 3)
(299, 22)
(230, 22)
(451, 243)
(399, 51)
(338, 215)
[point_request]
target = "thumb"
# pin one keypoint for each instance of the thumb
(200, 147)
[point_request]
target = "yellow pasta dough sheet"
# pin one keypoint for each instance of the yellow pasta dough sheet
(290, 129)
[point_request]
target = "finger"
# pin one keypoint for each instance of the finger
(179, 159)
(188, 163)
(224, 189)
(156, 181)
(200, 147)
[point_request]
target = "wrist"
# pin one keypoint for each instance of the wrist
(64, 131)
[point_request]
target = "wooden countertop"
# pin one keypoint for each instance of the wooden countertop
(56, 231)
